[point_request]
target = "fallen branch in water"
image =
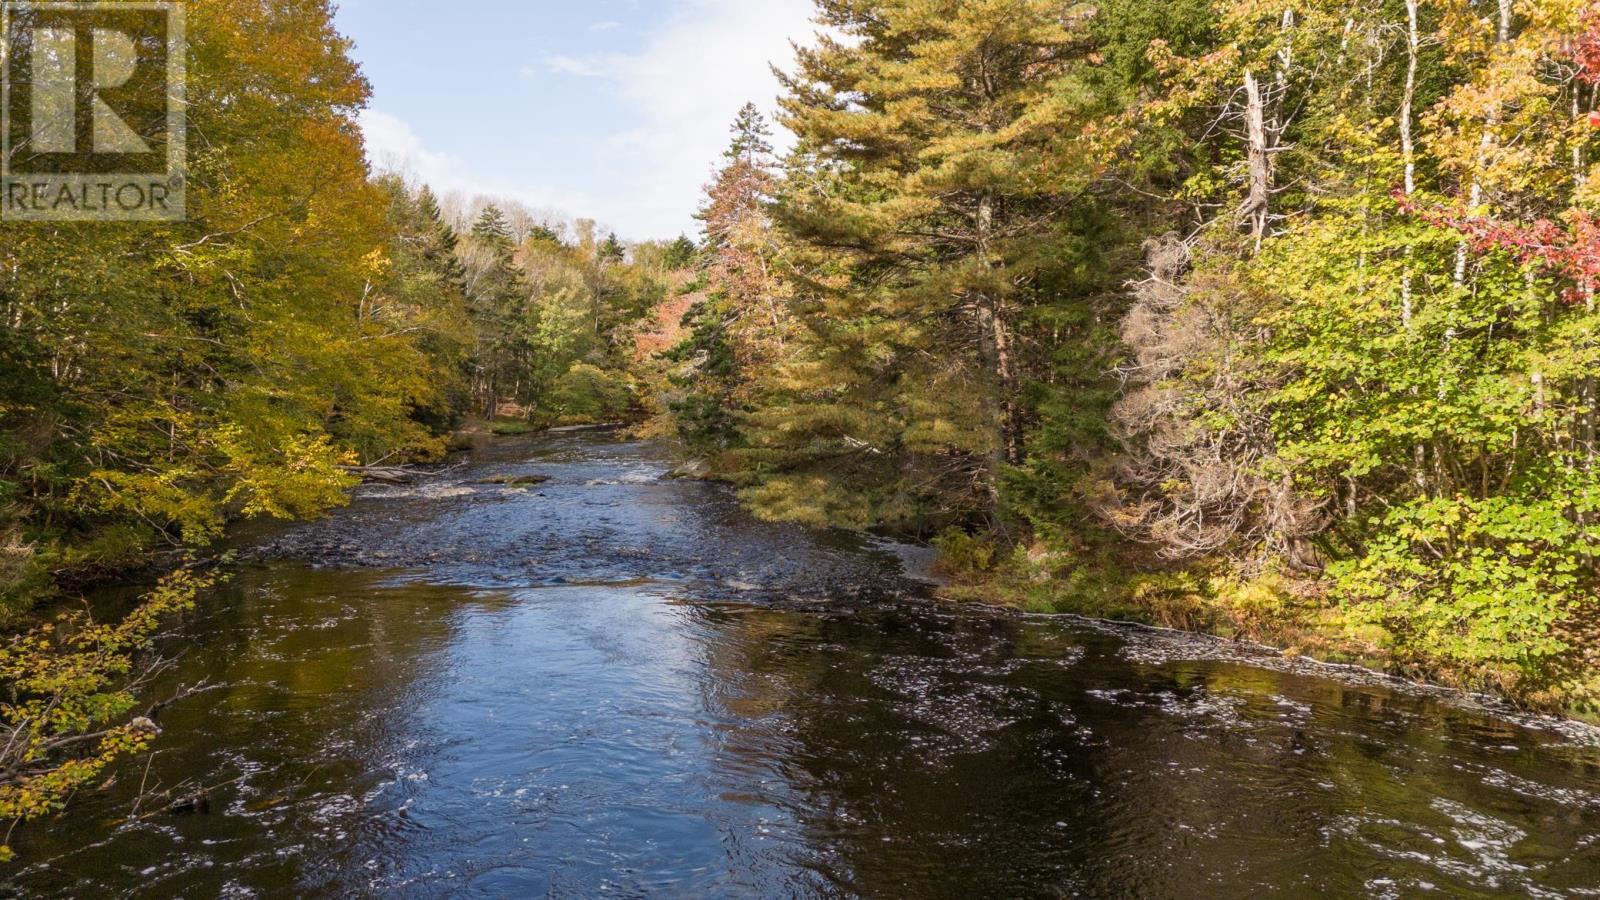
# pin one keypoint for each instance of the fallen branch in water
(396, 474)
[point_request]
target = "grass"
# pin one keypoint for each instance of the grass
(514, 427)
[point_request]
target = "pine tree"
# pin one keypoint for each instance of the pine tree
(680, 253)
(943, 150)
(542, 233)
(492, 226)
(740, 329)
(439, 240)
(497, 298)
(752, 136)
(422, 293)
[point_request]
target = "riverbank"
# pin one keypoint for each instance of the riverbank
(614, 680)
(1294, 617)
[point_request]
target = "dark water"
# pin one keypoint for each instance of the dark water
(617, 685)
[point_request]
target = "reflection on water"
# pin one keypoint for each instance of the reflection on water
(614, 684)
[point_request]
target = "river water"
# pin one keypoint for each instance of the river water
(616, 684)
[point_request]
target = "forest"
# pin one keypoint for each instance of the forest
(1273, 319)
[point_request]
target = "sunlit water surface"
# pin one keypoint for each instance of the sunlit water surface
(615, 684)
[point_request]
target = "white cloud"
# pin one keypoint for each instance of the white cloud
(571, 65)
(668, 106)
(605, 26)
(688, 81)
(392, 146)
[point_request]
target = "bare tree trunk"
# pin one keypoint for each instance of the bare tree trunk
(994, 341)
(1408, 146)
(1475, 193)
(1258, 204)
(1577, 146)
(1408, 152)
(1590, 388)
(1005, 370)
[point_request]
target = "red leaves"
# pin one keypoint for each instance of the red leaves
(1586, 51)
(1569, 249)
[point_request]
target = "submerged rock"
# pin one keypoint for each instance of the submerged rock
(194, 804)
(693, 470)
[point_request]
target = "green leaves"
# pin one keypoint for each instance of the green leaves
(68, 686)
(1485, 588)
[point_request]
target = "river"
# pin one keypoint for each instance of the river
(616, 684)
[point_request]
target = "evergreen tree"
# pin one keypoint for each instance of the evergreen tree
(680, 253)
(612, 250)
(945, 150)
(423, 293)
(492, 226)
(542, 233)
(752, 136)
(439, 241)
(498, 299)
(741, 327)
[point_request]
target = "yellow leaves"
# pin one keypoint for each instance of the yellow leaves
(164, 498)
(1191, 82)
(376, 263)
(1587, 196)
(192, 373)
(1508, 127)
(67, 685)
(301, 480)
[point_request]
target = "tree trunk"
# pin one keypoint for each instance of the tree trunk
(1475, 193)
(1408, 147)
(996, 358)
(1258, 203)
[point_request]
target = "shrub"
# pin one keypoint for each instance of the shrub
(589, 393)
(69, 690)
(1492, 586)
(962, 556)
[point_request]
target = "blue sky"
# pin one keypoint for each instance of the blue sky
(613, 109)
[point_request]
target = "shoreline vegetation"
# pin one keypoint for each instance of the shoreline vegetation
(1257, 320)
(1270, 320)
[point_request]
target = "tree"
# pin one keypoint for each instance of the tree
(741, 326)
(679, 254)
(752, 136)
(497, 298)
(158, 382)
(492, 226)
(1389, 399)
(612, 250)
(934, 205)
